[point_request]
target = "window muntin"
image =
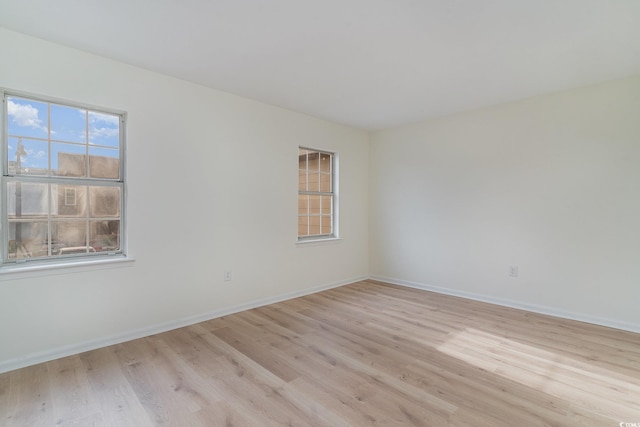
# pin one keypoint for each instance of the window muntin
(62, 180)
(316, 194)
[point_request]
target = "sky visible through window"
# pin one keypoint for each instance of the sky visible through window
(69, 129)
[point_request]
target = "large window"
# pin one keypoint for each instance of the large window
(316, 194)
(62, 180)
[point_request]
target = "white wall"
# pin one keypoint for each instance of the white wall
(550, 184)
(217, 172)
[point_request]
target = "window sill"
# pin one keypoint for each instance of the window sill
(21, 271)
(318, 242)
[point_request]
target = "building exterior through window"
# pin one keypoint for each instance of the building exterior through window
(62, 181)
(316, 194)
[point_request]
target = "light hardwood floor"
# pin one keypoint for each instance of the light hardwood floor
(363, 354)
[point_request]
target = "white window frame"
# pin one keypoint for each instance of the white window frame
(334, 235)
(53, 260)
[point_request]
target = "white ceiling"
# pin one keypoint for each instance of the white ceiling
(371, 64)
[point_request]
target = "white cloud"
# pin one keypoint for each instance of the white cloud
(25, 115)
(108, 119)
(103, 125)
(34, 158)
(102, 132)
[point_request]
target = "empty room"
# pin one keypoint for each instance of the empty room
(328, 213)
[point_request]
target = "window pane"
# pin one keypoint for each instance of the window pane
(302, 180)
(303, 204)
(326, 224)
(314, 161)
(27, 200)
(71, 201)
(104, 201)
(325, 183)
(104, 129)
(326, 205)
(27, 239)
(325, 162)
(104, 163)
(314, 225)
(313, 181)
(68, 159)
(27, 118)
(303, 222)
(69, 237)
(27, 156)
(302, 159)
(105, 235)
(68, 124)
(314, 205)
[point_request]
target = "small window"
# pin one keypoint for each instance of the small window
(316, 194)
(62, 180)
(69, 196)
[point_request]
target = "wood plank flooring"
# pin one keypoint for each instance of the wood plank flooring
(363, 354)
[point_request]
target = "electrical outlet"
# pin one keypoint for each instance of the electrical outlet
(227, 276)
(513, 271)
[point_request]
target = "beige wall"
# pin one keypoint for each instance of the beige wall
(217, 172)
(549, 184)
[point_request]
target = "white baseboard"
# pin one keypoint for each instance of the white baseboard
(69, 350)
(541, 309)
